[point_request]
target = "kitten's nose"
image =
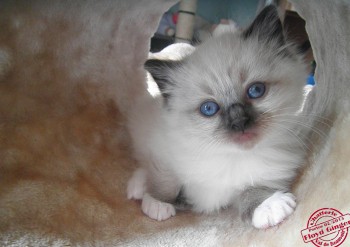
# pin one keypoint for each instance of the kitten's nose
(240, 124)
(238, 118)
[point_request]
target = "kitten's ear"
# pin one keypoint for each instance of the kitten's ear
(266, 26)
(161, 71)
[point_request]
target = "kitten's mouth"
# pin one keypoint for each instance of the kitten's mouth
(247, 138)
(244, 137)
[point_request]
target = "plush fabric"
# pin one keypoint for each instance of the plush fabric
(69, 71)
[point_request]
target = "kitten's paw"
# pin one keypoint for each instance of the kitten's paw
(274, 210)
(137, 185)
(157, 210)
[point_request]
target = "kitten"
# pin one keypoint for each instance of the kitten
(224, 130)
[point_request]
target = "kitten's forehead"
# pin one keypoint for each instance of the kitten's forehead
(242, 59)
(222, 66)
(231, 53)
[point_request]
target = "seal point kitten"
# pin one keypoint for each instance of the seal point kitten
(224, 129)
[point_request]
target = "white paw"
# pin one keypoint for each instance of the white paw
(137, 185)
(157, 210)
(274, 210)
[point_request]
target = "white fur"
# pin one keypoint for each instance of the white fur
(156, 209)
(152, 207)
(137, 185)
(212, 169)
(274, 210)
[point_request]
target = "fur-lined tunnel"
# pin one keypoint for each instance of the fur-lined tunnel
(70, 71)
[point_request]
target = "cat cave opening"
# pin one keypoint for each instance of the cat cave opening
(194, 21)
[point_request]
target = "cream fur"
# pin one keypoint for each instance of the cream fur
(63, 160)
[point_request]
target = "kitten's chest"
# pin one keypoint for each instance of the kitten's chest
(221, 170)
(215, 181)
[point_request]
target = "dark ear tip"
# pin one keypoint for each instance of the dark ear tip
(267, 24)
(151, 63)
(160, 65)
(271, 8)
(270, 12)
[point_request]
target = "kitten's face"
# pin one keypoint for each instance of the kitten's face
(237, 89)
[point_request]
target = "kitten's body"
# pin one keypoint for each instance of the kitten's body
(206, 159)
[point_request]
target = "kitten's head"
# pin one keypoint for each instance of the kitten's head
(238, 88)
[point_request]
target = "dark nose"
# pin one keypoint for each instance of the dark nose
(238, 119)
(240, 124)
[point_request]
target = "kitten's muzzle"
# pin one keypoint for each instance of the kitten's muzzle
(240, 124)
(238, 117)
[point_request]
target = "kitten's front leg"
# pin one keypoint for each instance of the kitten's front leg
(266, 207)
(137, 184)
(156, 209)
(148, 186)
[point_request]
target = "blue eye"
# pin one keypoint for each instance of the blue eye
(256, 90)
(209, 108)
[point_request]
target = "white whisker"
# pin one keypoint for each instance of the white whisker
(298, 139)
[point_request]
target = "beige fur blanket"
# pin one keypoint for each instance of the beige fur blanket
(69, 71)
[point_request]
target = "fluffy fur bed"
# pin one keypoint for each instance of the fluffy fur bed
(69, 71)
